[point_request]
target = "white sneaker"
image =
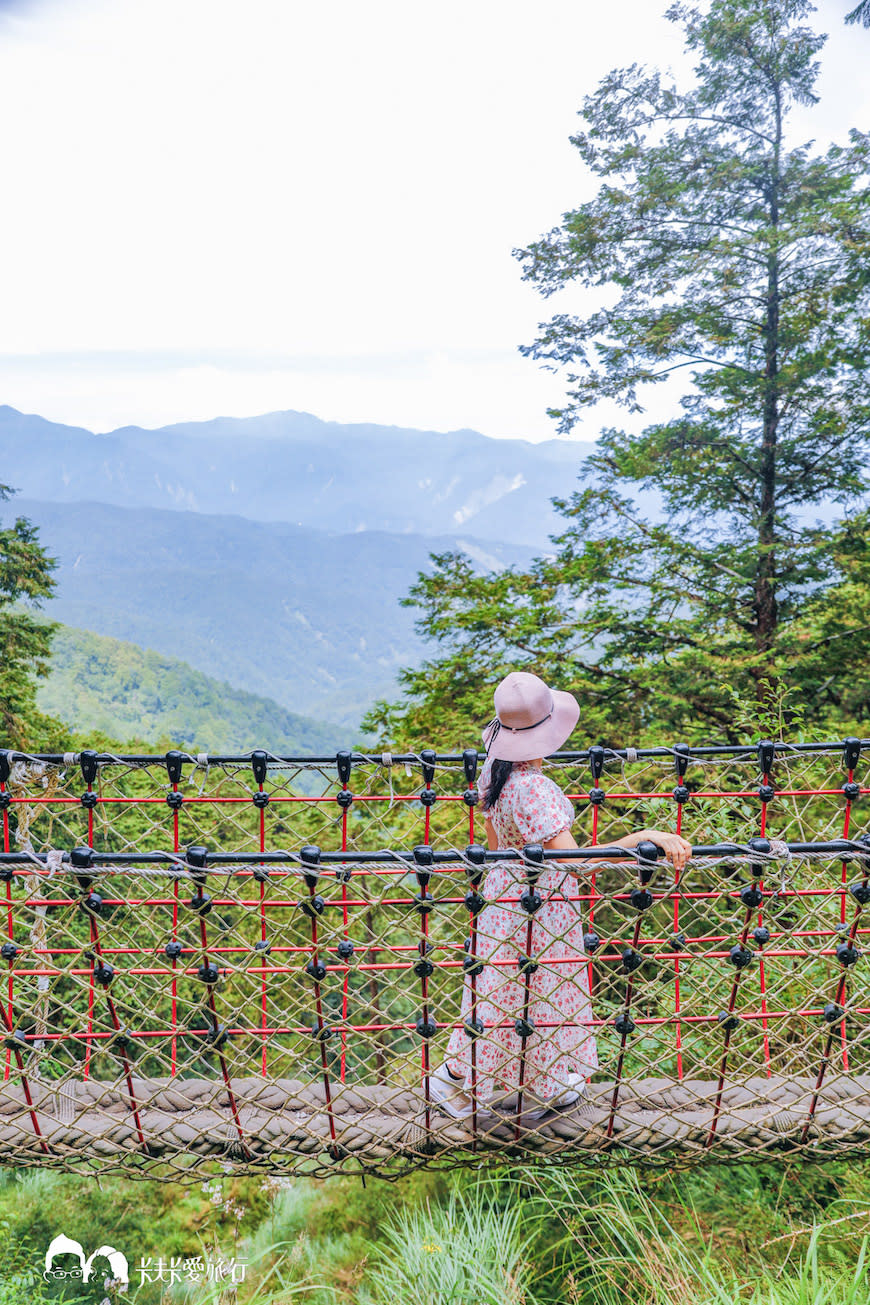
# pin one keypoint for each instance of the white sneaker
(576, 1087)
(447, 1093)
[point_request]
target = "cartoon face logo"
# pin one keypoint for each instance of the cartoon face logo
(66, 1246)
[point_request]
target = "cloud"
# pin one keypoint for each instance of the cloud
(306, 182)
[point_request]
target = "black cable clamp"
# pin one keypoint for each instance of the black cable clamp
(309, 855)
(217, 1037)
(647, 854)
(424, 859)
(470, 797)
(766, 750)
(762, 847)
(82, 859)
(851, 753)
(196, 859)
(476, 854)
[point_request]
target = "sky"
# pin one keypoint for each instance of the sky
(228, 207)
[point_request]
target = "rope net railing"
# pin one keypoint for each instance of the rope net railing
(258, 962)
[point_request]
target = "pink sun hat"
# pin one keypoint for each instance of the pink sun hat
(531, 719)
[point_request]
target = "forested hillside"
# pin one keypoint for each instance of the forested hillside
(309, 618)
(116, 688)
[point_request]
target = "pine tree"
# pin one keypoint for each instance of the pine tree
(25, 637)
(739, 260)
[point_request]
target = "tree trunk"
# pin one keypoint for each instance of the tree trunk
(765, 604)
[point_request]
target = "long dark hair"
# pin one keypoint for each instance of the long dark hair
(499, 774)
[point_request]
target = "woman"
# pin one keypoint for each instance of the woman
(523, 806)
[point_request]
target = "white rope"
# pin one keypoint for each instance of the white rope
(201, 763)
(38, 939)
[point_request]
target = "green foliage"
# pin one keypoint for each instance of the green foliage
(829, 648)
(116, 688)
(569, 1236)
(741, 260)
(860, 14)
(20, 1264)
(25, 639)
(790, 1234)
(467, 1249)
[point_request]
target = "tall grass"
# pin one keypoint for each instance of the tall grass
(467, 1251)
(544, 1241)
(814, 1283)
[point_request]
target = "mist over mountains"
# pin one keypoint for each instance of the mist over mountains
(292, 467)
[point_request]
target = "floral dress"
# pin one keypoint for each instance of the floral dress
(529, 809)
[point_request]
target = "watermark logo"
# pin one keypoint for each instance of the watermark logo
(181, 1269)
(62, 1245)
(191, 1269)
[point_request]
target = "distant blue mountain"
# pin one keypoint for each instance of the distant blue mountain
(310, 618)
(291, 467)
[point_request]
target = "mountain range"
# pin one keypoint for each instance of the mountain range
(268, 554)
(309, 618)
(292, 467)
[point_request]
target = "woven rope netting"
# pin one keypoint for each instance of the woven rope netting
(258, 961)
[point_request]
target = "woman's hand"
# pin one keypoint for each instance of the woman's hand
(675, 848)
